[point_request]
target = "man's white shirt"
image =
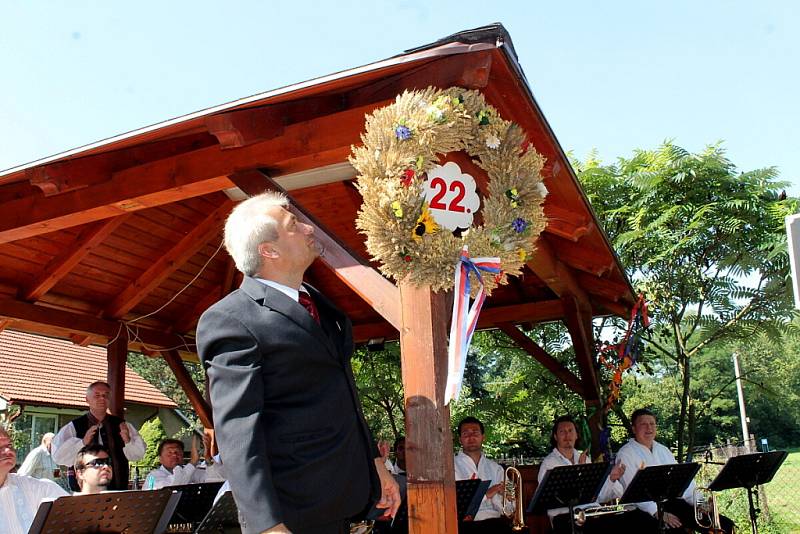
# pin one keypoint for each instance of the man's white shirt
(38, 464)
(20, 497)
(636, 456)
(66, 445)
(465, 469)
(610, 490)
(181, 474)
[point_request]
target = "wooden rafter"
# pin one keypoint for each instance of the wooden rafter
(578, 317)
(170, 262)
(27, 316)
(540, 355)
(188, 320)
(61, 265)
(366, 282)
(201, 407)
(490, 317)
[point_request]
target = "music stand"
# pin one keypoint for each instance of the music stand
(110, 512)
(748, 471)
(660, 483)
(569, 485)
(469, 494)
(222, 518)
(195, 502)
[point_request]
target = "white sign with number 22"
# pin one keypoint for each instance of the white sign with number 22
(451, 196)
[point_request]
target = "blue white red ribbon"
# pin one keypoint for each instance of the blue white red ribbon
(465, 317)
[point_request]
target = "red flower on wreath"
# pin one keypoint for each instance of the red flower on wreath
(408, 177)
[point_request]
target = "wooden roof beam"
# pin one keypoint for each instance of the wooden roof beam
(171, 179)
(64, 322)
(189, 319)
(490, 317)
(170, 262)
(566, 223)
(201, 407)
(382, 295)
(57, 268)
(553, 272)
(540, 355)
(578, 318)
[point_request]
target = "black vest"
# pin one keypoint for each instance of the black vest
(118, 460)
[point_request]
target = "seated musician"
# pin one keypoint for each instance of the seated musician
(93, 469)
(563, 438)
(20, 495)
(172, 471)
(644, 451)
(471, 463)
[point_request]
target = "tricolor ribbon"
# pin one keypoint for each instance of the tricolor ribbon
(465, 317)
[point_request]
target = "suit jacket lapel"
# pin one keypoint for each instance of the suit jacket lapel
(293, 310)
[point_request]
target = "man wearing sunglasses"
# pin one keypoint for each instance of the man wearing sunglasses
(93, 469)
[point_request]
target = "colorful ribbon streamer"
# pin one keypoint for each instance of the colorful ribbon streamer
(465, 317)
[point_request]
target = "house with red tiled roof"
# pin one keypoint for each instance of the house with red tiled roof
(47, 379)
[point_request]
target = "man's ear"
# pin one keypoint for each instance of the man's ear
(268, 250)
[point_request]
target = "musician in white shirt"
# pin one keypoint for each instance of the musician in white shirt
(172, 472)
(644, 451)
(563, 438)
(471, 463)
(20, 495)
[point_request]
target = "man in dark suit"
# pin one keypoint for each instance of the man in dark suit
(291, 432)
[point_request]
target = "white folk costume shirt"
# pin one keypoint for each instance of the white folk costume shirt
(38, 464)
(636, 456)
(609, 491)
(66, 445)
(465, 469)
(20, 497)
(181, 474)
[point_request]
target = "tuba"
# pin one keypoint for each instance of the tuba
(512, 492)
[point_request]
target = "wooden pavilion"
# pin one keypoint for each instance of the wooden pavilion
(118, 243)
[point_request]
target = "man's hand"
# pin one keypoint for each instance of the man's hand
(390, 491)
(89, 436)
(280, 528)
(584, 455)
(207, 447)
(671, 520)
(124, 433)
(383, 449)
(494, 490)
(616, 472)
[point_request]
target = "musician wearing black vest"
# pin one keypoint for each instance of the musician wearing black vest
(100, 428)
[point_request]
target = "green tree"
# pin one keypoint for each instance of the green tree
(153, 434)
(158, 373)
(380, 385)
(706, 244)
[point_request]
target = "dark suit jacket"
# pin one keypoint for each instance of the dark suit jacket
(291, 433)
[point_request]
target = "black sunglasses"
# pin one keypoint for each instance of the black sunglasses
(98, 462)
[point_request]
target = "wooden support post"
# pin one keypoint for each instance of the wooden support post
(578, 316)
(429, 442)
(201, 407)
(117, 356)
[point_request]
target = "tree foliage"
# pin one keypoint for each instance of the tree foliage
(706, 244)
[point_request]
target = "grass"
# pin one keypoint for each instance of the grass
(780, 511)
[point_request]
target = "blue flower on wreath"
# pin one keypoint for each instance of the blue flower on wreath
(402, 132)
(519, 225)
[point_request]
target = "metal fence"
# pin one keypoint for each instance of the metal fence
(778, 501)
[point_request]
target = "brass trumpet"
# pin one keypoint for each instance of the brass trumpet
(593, 511)
(512, 492)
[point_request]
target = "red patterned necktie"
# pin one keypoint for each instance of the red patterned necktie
(305, 300)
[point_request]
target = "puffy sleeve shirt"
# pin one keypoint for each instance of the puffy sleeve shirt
(636, 456)
(609, 491)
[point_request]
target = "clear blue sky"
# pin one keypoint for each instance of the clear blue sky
(610, 75)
